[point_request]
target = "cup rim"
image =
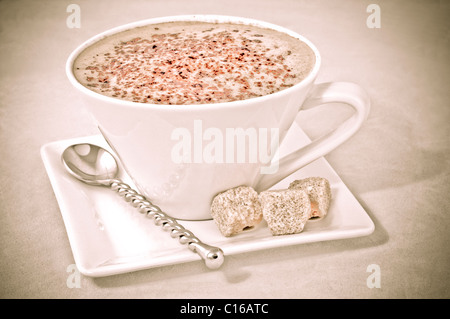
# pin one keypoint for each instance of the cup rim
(190, 107)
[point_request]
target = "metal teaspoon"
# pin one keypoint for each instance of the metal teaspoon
(94, 165)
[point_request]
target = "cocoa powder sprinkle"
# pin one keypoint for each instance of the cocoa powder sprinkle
(163, 64)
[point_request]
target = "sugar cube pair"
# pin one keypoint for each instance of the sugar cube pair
(285, 211)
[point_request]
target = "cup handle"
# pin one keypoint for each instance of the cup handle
(332, 92)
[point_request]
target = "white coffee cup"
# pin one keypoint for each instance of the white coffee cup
(148, 137)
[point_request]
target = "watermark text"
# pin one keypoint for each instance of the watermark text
(374, 279)
(73, 21)
(232, 145)
(374, 19)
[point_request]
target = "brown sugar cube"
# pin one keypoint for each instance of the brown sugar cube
(285, 211)
(319, 192)
(236, 209)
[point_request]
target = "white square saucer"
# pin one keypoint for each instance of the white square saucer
(108, 236)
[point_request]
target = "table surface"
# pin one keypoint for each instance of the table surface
(397, 165)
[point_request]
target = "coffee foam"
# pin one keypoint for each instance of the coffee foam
(193, 63)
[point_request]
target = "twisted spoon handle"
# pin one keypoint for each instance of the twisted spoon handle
(213, 256)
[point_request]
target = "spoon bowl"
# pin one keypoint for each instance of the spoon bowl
(90, 164)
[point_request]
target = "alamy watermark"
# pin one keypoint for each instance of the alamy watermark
(74, 19)
(374, 279)
(74, 278)
(234, 145)
(374, 19)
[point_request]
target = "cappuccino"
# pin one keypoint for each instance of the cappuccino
(193, 63)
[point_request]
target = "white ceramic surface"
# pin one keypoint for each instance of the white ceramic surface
(141, 133)
(108, 236)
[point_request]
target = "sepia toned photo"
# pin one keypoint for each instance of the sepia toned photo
(224, 150)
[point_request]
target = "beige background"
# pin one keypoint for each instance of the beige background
(397, 165)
